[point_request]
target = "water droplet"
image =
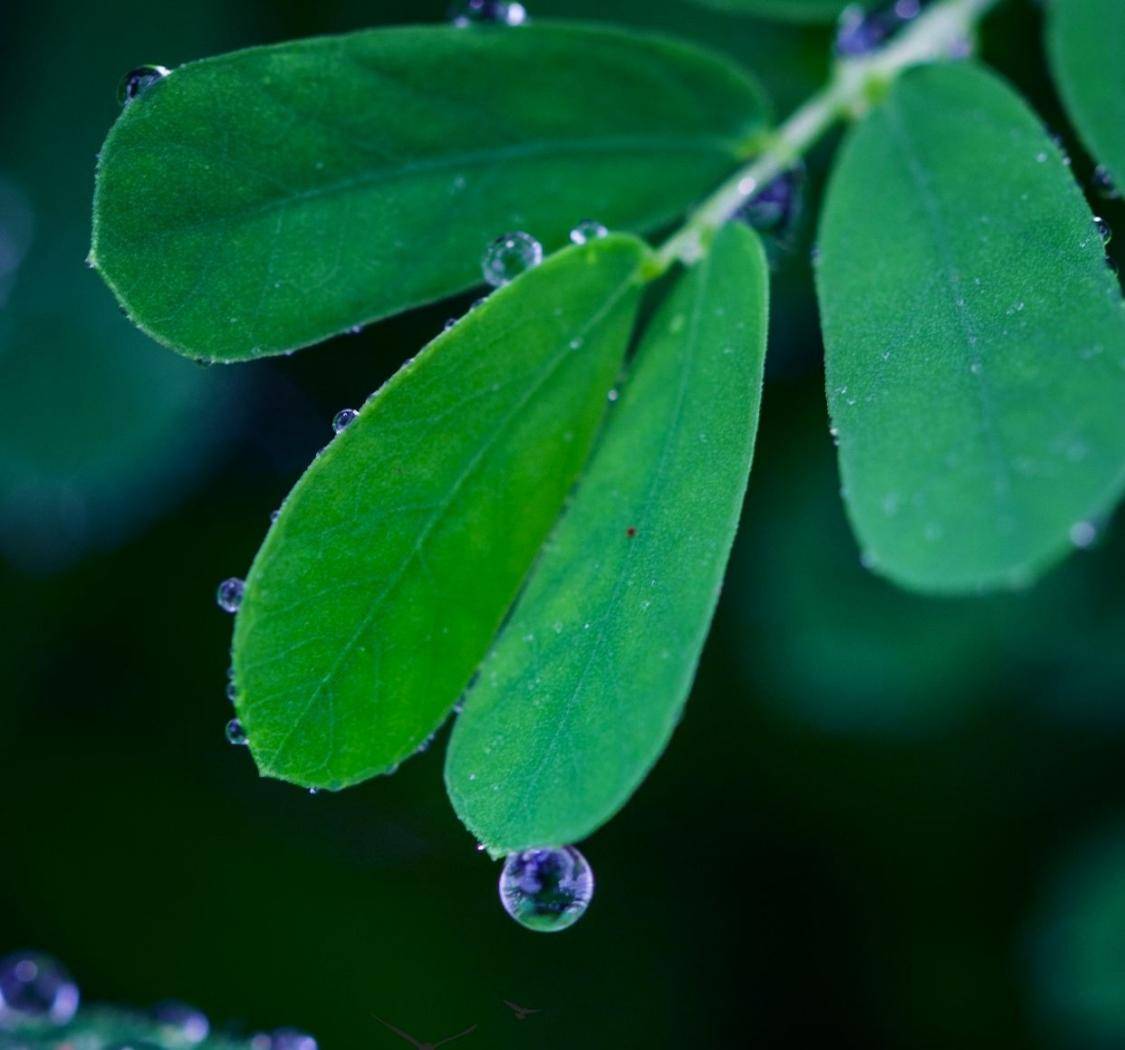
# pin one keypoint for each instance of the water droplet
(314, 791)
(343, 418)
(487, 12)
(1083, 534)
(229, 594)
(859, 32)
(1104, 185)
(291, 1039)
(232, 691)
(134, 1044)
(976, 368)
(274, 515)
(181, 1022)
(509, 256)
(137, 81)
(613, 395)
(546, 889)
(33, 987)
(451, 323)
(588, 230)
(1103, 229)
(236, 734)
(776, 207)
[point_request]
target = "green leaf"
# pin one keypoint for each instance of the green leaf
(264, 200)
(975, 339)
(581, 693)
(1086, 46)
(380, 586)
(788, 10)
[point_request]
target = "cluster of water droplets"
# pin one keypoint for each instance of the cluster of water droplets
(859, 31)
(510, 255)
(466, 13)
(546, 889)
(137, 81)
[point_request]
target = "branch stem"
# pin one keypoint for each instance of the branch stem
(941, 31)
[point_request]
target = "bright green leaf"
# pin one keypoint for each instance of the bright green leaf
(582, 691)
(267, 199)
(1086, 45)
(975, 338)
(381, 585)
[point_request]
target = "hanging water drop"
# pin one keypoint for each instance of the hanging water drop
(229, 594)
(33, 987)
(1103, 229)
(1104, 185)
(236, 735)
(487, 12)
(546, 889)
(181, 1023)
(588, 230)
(137, 81)
(343, 418)
(509, 256)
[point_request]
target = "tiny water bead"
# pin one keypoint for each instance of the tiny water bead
(343, 418)
(588, 230)
(137, 81)
(509, 256)
(487, 12)
(1103, 228)
(181, 1022)
(236, 734)
(1104, 185)
(33, 987)
(229, 594)
(546, 889)
(291, 1039)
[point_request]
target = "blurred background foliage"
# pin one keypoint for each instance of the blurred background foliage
(886, 821)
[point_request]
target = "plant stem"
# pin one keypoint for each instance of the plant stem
(939, 32)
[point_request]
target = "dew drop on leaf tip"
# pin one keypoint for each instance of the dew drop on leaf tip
(137, 81)
(235, 733)
(510, 255)
(588, 230)
(546, 889)
(342, 419)
(229, 595)
(466, 13)
(35, 988)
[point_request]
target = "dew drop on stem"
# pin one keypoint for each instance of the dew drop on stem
(546, 889)
(137, 81)
(510, 255)
(859, 31)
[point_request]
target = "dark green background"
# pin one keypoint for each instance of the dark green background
(885, 821)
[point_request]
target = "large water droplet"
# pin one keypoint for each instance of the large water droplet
(487, 12)
(181, 1022)
(137, 81)
(546, 889)
(33, 987)
(236, 734)
(343, 418)
(509, 256)
(229, 594)
(588, 230)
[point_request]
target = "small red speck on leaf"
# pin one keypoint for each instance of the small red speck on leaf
(630, 532)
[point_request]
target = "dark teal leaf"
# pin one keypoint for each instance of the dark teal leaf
(975, 338)
(264, 200)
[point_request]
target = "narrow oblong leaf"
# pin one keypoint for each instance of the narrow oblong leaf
(383, 580)
(583, 689)
(1086, 46)
(975, 338)
(267, 199)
